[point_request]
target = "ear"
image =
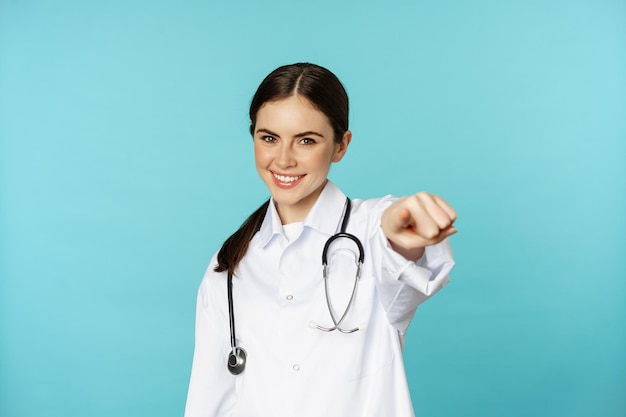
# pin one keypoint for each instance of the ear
(342, 147)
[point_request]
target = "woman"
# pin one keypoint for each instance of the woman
(305, 356)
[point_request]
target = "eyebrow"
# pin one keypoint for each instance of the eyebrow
(299, 135)
(309, 133)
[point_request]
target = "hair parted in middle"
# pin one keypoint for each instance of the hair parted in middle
(317, 84)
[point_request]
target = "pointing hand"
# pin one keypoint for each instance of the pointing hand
(414, 222)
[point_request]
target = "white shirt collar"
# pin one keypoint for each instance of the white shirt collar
(325, 215)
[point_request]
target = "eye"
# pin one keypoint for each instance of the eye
(307, 141)
(268, 139)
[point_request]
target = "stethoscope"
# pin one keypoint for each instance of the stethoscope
(237, 356)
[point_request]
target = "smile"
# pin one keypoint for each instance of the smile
(287, 179)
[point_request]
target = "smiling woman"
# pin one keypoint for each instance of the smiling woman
(283, 257)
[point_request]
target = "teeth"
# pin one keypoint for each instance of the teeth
(283, 178)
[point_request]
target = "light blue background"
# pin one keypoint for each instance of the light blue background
(125, 162)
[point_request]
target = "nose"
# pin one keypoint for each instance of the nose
(285, 157)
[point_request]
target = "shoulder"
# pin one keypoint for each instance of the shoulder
(365, 215)
(212, 284)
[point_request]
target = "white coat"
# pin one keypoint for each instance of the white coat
(296, 370)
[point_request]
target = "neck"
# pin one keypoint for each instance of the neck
(297, 212)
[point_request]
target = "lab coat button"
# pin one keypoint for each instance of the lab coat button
(296, 367)
(290, 297)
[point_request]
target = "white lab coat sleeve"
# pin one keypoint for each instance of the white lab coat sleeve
(402, 285)
(212, 387)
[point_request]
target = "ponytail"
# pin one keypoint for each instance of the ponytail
(235, 247)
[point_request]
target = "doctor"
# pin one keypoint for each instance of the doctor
(294, 366)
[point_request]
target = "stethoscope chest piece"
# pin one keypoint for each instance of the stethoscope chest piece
(237, 360)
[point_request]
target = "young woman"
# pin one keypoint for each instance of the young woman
(314, 340)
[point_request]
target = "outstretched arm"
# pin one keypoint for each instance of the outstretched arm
(414, 222)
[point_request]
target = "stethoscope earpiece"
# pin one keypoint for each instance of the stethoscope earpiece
(359, 261)
(237, 360)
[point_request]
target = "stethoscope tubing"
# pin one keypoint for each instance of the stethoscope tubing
(237, 357)
(231, 313)
(335, 237)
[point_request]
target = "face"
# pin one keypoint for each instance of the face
(293, 149)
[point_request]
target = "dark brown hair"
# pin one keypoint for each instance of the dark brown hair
(324, 90)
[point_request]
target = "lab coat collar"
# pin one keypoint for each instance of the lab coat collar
(325, 215)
